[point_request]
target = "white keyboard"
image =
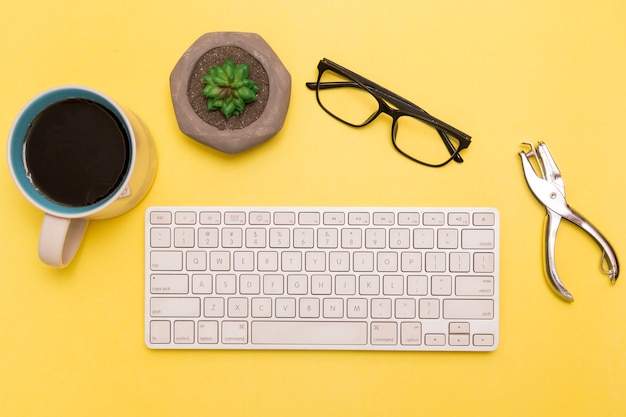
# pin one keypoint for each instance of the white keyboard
(326, 278)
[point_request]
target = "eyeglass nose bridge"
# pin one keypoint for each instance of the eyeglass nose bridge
(384, 107)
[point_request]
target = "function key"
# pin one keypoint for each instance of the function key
(284, 217)
(260, 217)
(309, 218)
(210, 217)
(334, 218)
(184, 217)
(484, 219)
(408, 219)
(160, 217)
(384, 219)
(434, 219)
(235, 217)
(359, 218)
(459, 219)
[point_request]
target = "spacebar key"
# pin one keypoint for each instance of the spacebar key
(308, 333)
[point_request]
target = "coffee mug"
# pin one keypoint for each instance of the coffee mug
(77, 155)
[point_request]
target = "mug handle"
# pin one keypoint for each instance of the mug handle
(59, 239)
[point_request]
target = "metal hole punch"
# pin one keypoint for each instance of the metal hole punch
(548, 188)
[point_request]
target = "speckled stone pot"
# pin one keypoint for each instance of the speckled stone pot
(232, 140)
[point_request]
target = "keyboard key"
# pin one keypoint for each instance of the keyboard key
(327, 238)
(459, 219)
(175, 307)
(381, 308)
(279, 238)
(184, 331)
(184, 237)
(411, 333)
(273, 284)
(423, 238)
(311, 333)
(284, 218)
(459, 339)
(483, 262)
(160, 331)
(483, 340)
(225, 284)
(359, 219)
(210, 217)
(351, 238)
(411, 261)
(417, 285)
(184, 217)
(429, 308)
(333, 308)
(219, 260)
(315, 261)
(408, 219)
(196, 261)
(234, 332)
(345, 284)
(334, 218)
(434, 219)
(468, 309)
(235, 218)
(477, 239)
(208, 237)
(202, 284)
(441, 285)
(384, 219)
(262, 307)
(384, 333)
(393, 285)
(160, 237)
(169, 284)
(256, 238)
(459, 328)
(484, 219)
(213, 307)
(308, 218)
(207, 332)
(285, 307)
(474, 285)
(160, 217)
(260, 217)
(405, 308)
(435, 339)
(166, 260)
(399, 238)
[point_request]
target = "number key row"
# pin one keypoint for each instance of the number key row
(323, 238)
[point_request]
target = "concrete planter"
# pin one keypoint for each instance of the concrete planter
(231, 140)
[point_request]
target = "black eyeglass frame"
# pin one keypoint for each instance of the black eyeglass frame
(403, 108)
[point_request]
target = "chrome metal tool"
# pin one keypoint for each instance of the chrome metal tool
(547, 186)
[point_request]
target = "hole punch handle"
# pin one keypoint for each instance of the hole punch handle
(551, 228)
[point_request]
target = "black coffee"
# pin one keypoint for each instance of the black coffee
(76, 152)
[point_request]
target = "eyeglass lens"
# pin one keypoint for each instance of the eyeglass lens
(349, 102)
(353, 105)
(422, 142)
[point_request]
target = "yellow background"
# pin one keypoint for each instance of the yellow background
(71, 341)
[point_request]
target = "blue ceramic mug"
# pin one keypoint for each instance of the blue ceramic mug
(77, 155)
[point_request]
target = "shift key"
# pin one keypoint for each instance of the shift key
(174, 307)
(468, 309)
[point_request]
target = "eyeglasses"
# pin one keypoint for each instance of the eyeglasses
(357, 101)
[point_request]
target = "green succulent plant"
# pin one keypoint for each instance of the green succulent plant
(229, 89)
